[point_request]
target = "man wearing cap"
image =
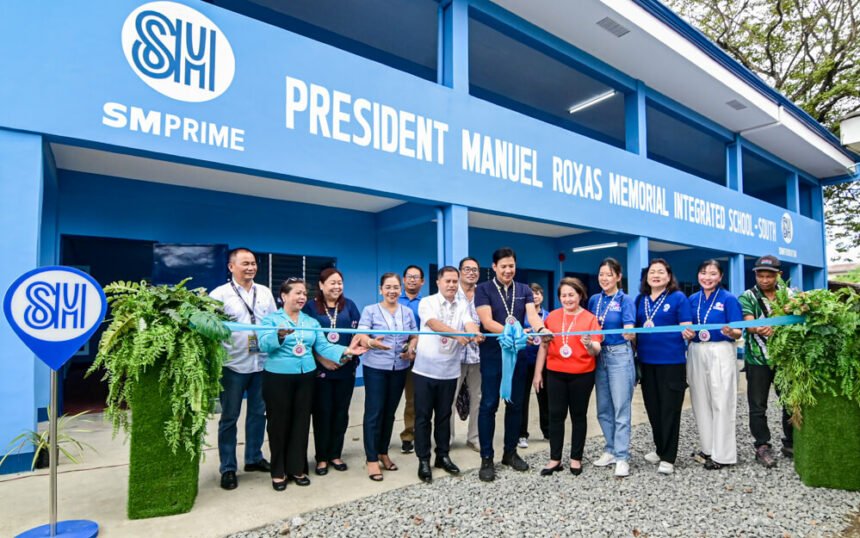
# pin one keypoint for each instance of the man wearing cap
(756, 304)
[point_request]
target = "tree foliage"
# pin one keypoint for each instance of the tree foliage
(175, 330)
(809, 50)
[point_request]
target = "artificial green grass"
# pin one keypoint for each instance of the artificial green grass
(160, 483)
(827, 446)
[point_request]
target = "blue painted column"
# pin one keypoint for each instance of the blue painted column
(20, 219)
(819, 276)
(736, 274)
(635, 123)
(456, 234)
(637, 260)
(792, 192)
(734, 165)
(453, 54)
(795, 274)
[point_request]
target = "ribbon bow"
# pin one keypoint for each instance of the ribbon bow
(512, 340)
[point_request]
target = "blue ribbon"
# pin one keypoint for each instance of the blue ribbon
(512, 340)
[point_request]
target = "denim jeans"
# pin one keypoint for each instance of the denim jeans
(382, 392)
(234, 385)
(615, 377)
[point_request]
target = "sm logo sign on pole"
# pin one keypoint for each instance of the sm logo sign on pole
(178, 51)
(55, 310)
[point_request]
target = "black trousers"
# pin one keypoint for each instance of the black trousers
(663, 387)
(288, 400)
(568, 395)
(543, 405)
(433, 400)
(759, 380)
(331, 415)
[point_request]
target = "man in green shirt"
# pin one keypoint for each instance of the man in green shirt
(756, 303)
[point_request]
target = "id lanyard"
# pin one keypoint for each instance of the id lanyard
(704, 335)
(253, 347)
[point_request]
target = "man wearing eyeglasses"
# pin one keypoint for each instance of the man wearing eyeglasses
(413, 281)
(470, 363)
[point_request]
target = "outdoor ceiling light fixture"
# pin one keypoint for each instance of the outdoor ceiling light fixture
(591, 101)
(595, 247)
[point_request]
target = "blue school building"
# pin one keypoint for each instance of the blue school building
(144, 137)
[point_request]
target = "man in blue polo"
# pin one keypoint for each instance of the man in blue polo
(413, 281)
(498, 302)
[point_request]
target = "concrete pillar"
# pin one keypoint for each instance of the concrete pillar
(635, 123)
(795, 274)
(637, 260)
(456, 234)
(453, 54)
(735, 166)
(736, 274)
(21, 191)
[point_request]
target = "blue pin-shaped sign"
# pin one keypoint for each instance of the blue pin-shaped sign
(55, 310)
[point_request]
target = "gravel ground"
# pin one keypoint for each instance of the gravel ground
(744, 500)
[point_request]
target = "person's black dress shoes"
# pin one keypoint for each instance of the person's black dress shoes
(261, 466)
(279, 486)
(301, 480)
(229, 480)
(424, 471)
(444, 462)
(321, 471)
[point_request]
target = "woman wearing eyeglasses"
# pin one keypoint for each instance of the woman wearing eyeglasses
(288, 381)
(385, 365)
(335, 382)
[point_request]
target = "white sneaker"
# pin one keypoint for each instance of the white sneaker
(605, 460)
(652, 457)
(524, 442)
(622, 468)
(666, 468)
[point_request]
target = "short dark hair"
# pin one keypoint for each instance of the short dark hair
(287, 285)
(408, 267)
(645, 287)
(536, 288)
(447, 269)
(708, 263)
(386, 276)
(577, 286)
(613, 265)
(231, 256)
(319, 300)
(467, 259)
(504, 252)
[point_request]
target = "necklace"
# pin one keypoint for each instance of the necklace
(510, 319)
(566, 351)
(649, 314)
(299, 349)
(602, 318)
(332, 337)
(705, 335)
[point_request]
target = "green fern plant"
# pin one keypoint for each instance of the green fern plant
(172, 328)
(821, 356)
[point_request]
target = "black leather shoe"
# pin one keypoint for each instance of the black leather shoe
(261, 466)
(488, 470)
(279, 486)
(424, 471)
(547, 471)
(444, 462)
(407, 447)
(321, 471)
(513, 460)
(301, 480)
(576, 471)
(229, 480)
(338, 466)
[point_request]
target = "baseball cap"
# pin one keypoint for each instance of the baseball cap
(768, 263)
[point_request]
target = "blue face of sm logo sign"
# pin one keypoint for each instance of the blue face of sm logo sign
(55, 310)
(178, 51)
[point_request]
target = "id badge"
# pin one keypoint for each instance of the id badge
(253, 347)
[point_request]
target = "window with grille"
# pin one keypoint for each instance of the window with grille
(273, 269)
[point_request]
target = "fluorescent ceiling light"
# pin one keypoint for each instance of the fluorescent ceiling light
(591, 102)
(595, 247)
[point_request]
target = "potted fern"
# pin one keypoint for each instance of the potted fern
(818, 373)
(162, 355)
(67, 444)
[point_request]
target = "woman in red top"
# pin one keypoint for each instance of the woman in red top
(570, 373)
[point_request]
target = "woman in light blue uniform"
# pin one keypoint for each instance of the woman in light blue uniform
(384, 366)
(615, 375)
(288, 381)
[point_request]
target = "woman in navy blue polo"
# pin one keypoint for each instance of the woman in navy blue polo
(335, 382)
(385, 366)
(662, 358)
(712, 371)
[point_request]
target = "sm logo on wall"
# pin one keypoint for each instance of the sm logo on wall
(178, 51)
